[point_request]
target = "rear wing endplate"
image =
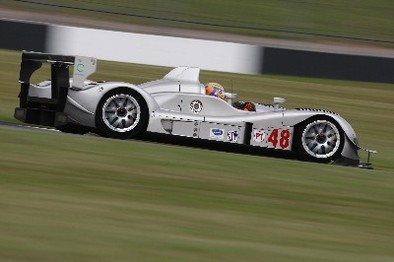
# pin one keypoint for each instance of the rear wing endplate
(83, 66)
(44, 110)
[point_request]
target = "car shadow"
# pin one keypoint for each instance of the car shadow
(215, 145)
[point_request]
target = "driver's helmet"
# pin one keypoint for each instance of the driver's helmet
(214, 89)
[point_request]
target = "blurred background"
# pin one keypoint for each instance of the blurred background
(339, 40)
(287, 19)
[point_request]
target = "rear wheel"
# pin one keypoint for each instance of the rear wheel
(122, 113)
(319, 139)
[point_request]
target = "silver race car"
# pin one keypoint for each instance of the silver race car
(178, 104)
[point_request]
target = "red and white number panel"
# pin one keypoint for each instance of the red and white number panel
(278, 138)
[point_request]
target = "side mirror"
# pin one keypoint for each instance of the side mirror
(230, 96)
(278, 101)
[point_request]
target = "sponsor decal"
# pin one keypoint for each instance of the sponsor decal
(216, 133)
(80, 68)
(258, 136)
(196, 106)
(232, 136)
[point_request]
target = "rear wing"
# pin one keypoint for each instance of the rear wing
(49, 110)
(83, 67)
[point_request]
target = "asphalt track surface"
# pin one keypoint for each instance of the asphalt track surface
(168, 140)
(13, 126)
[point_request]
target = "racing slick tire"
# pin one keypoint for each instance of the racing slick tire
(319, 139)
(122, 113)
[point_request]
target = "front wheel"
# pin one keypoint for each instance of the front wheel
(122, 113)
(319, 139)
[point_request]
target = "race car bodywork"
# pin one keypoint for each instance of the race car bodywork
(175, 105)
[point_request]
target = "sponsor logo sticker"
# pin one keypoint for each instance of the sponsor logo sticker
(80, 68)
(196, 106)
(258, 136)
(232, 136)
(216, 133)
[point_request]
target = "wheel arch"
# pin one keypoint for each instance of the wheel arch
(150, 101)
(84, 102)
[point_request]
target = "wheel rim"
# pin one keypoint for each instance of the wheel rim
(321, 139)
(121, 112)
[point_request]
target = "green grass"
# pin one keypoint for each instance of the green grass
(364, 18)
(74, 198)
(85, 198)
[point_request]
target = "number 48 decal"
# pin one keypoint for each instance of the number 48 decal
(280, 138)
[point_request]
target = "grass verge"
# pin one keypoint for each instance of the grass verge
(85, 198)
